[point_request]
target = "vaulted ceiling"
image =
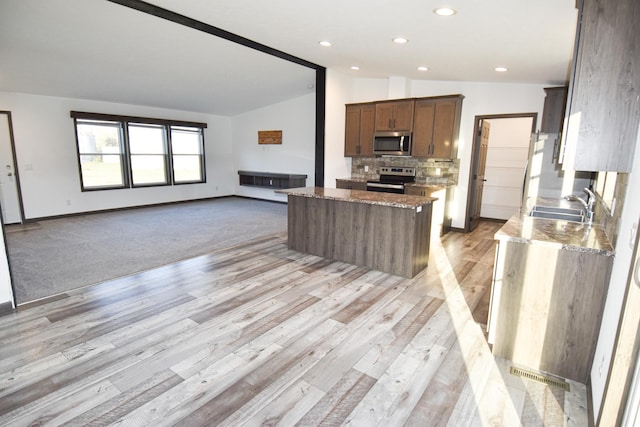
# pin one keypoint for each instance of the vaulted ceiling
(98, 49)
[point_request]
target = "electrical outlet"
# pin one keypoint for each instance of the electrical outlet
(366, 168)
(68, 202)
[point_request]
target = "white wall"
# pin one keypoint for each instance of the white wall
(617, 284)
(296, 154)
(48, 166)
(506, 162)
(6, 294)
(480, 99)
(339, 92)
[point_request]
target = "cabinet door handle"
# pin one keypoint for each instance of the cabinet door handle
(390, 125)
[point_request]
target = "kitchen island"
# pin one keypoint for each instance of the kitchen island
(383, 231)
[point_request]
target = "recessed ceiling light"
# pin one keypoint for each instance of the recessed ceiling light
(501, 69)
(400, 40)
(355, 67)
(444, 11)
(422, 68)
(325, 43)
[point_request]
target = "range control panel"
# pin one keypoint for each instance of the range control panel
(400, 171)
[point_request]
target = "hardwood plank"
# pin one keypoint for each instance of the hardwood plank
(123, 403)
(258, 334)
(287, 409)
(334, 407)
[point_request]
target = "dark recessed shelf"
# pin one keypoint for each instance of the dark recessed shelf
(272, 180)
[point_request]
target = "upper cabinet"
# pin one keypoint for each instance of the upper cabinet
(359, 129)
(394, 115)
(434, 122)
(603, 112)
(555, 104)
(435, 127)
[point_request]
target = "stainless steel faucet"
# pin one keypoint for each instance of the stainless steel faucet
(588, 205)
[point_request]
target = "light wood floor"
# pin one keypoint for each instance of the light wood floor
(261, 335)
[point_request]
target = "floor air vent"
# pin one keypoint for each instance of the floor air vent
(539, 378)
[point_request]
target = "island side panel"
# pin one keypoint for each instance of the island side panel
(422, 239)
(305, 217)
(385, 238)
(547, 315)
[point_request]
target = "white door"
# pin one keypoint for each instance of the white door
(506, 162)
(9, 200)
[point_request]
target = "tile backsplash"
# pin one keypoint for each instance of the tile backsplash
(603, 215)
(428, 171)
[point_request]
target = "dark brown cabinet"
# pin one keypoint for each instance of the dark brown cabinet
(394, 115)
(359, 129)
(603, 113)
(435, 127)
(349, 184)
(555, 104)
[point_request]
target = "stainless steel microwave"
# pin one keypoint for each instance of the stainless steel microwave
(392, 144)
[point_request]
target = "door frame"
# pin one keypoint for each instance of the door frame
(475, 152)
(14, 158)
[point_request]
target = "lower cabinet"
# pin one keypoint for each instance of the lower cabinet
(348, 184)
(546, 307)
(439, 224)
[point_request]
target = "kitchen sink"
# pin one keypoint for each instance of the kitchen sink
(566, 214)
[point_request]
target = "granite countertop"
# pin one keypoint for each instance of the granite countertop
(422, 184)
(566, 235)
(353, 179)
(405, 201)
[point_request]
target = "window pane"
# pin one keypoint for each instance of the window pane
(185, 141)
(101, 170)
(187, 168)
(100, 148)
(99, 137)
(148, 169)
(146, 139)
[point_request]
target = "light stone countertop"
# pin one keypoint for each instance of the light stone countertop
(405, 201)
(567, 235)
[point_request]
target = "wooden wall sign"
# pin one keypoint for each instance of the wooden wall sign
(269, 137)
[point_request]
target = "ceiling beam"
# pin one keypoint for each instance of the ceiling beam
(160, 12)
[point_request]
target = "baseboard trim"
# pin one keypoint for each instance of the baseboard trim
(125, 208)
(6, 308)
(262, 200)
(502, 221)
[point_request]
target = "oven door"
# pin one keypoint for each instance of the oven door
(385, 188)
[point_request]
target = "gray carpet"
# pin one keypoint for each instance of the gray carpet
(57, 255)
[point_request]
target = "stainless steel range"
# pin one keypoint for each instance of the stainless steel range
(392, 179)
